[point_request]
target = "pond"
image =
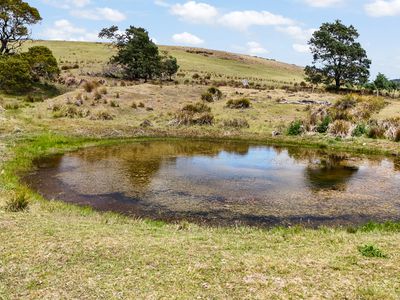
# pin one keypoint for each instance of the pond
(224, 183)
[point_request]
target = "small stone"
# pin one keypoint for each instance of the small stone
(276, 133)
(146, 123)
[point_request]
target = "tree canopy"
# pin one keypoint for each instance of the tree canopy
(138, 55)
(42, 63)
(337, 56)
(15, 17)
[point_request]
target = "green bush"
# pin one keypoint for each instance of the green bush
(324, 125)
(295, 128)
(15, 76)
(215, 92)
(18, 202)
(239, 104)
(207, 97)
(42, 63)
(199, 107)
(360, 130)
(371, 251)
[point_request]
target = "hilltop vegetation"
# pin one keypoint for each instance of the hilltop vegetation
(91, 57)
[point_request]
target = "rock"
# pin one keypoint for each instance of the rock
(17, 130)
(276, 133)
(146, 123)
(79, 103)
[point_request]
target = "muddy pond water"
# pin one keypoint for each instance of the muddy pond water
(225, 183)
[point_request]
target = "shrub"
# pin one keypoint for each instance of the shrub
(397, 135)
(204, 119)
(215, 92)
(207, 97)
(237, 123)
(238, 104)
(42, 63)
(33, 99)
(89, 86)
(324, 125)
(359, 130)
(195, 114)
(340, 128)
(196, 76)
(114, 103)
(102, 115)
(15, 76)
(97, 96)
(133, 105)
(103, 91)
(199, 107)
(18, 202)
(295, 128)
(141, 105)
(66, 111)
(117, 95)
(12, 105)
(371, 251)
(376, 132)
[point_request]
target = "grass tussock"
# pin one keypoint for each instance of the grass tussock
(239, 103)
(236, 123)
(90, 86)
(101, 115)
(18, 202)
(194, 114)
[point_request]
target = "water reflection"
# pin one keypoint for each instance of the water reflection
(332, 172)
(225, 183)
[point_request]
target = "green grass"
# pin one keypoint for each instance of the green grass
(371, 251)
(91, 57)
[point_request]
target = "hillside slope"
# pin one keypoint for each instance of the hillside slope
(93, 56)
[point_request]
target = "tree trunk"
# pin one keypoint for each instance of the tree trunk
(3, 47)
(337, 82)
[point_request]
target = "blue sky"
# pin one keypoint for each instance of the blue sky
(276, 29)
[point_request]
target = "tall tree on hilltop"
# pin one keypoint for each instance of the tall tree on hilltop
(337, 56)
(15, 17)
(138, 55)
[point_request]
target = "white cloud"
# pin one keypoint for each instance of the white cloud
(242, 20)
(296, 32)
(104, 13)
(254, 48)
(64, 30)
(195, 12)
(68, 4)
(323, 3)
(382, 8)
(161, 3)
(187, 39)
(301, 48)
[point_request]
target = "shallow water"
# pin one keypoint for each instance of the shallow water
(225, 183)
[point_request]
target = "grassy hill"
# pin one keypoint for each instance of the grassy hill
(92, 56)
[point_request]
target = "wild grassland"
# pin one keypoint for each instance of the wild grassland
(54, 250)
(90, 57)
